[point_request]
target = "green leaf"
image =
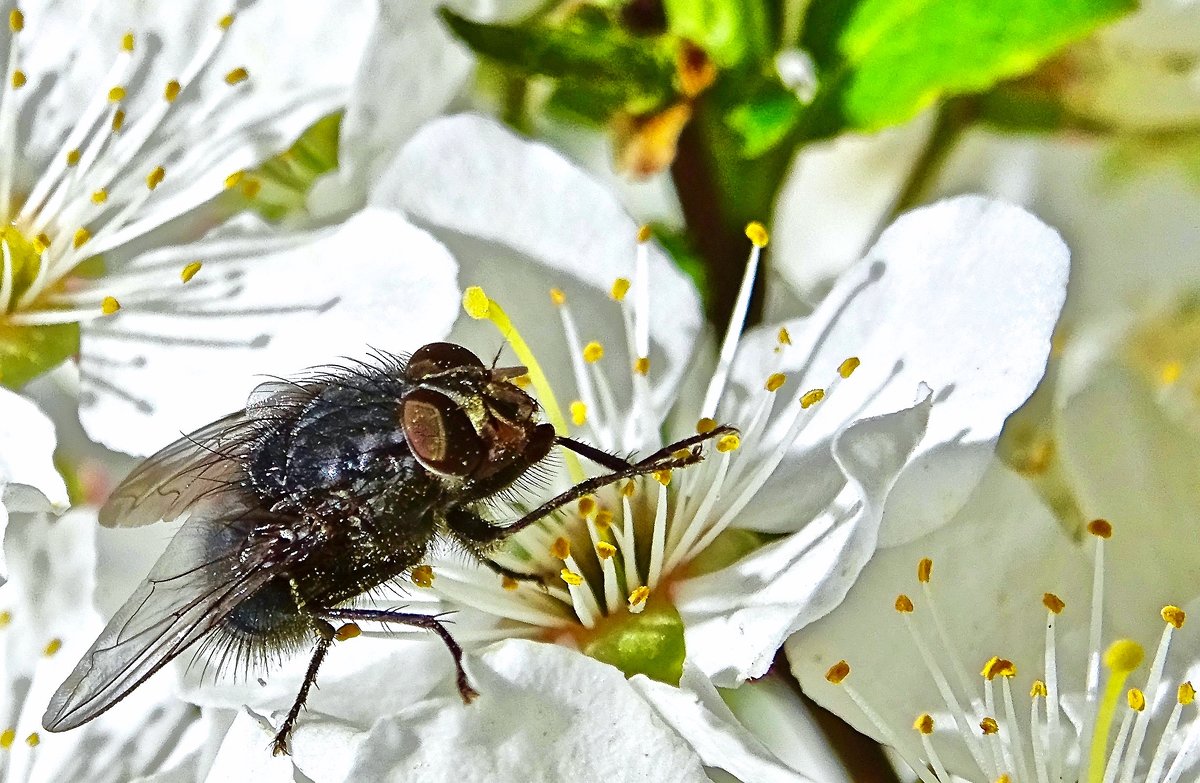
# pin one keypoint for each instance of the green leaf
(650, 643)
(730, 31)
(639, 70)
(894, 58)
(28, 351)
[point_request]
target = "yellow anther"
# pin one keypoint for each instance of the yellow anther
(347, 631)
(1053, 603)
(838, 672)
(784, 337)
(663, 477)
(508, 583)
(904, 604)
(226, 21)
(5, 618)
(171, 91)
(638, 597)
(998, 667)
(33, 740)
(1004, 779)
(593, 352)
(924, 570)
(82, 235)
(587, 505)
(237, 76)
(188, 272)
(811, 398)
(18, 79)
(644, 234)
(422, 575)
(775, 380)
(604, 519)
(7, 737)
(116, 94)
(523, 381)
(1100, 528)
(629, 489)
(251, 187)
(233, 179)
(641, 365)
(847, 368)
(1136, 699)
(118, 120)
(705, 426)
(155, 177)
(558, 297)
(728, 443)
(924, 723)
(605, 550)
(578, 413)
(570, 577)
(757, 233)
(1124, 655)
(1170, 373)
(1186, 694)
(989, 726)
(99, 196)
(1174, 615)
(41, 243)
(1038, 689)
(52, 646)
(110, 305)
(620, 287)
(127, 42)
(16, 20)
(561, 548)
(73, 157)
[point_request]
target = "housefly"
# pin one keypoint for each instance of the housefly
(319, 491)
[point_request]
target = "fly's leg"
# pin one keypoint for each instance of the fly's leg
(663, 459)
(325, 637)
(416, 620)
(478, 537)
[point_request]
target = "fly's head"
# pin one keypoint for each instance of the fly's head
(468, 422)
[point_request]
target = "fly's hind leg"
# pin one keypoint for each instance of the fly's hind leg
(427, 622)
(325, 636)
(479, 538)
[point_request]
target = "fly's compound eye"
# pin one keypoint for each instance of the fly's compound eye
(440, 434)
(439, 357)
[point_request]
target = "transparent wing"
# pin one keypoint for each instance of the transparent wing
(166, 484)
(209, 567)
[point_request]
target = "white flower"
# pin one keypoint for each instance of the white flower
(1014, 652)
(923, 310)
(28, 480)
(114, 122)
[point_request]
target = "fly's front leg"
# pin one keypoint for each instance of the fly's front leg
(479, 538)
(325, 636)
(416, 620)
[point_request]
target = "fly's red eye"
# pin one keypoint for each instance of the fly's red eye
(440, 434)
(439, 357)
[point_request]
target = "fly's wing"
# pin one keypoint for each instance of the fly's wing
(168, 483)
(208, 568)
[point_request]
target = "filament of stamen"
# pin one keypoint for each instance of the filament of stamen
(737, 321)
(658, 537)
(1174, 617)
(1186, 694)
(1100, 530)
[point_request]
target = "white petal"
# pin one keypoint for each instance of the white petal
(245, 754)
(544, 713)
(171, 366)
(962, 296)
(412, 69)
(835, 199)
(737, 618)
(982, 567)
(696, 711)
(521, 219)
(28, 479)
